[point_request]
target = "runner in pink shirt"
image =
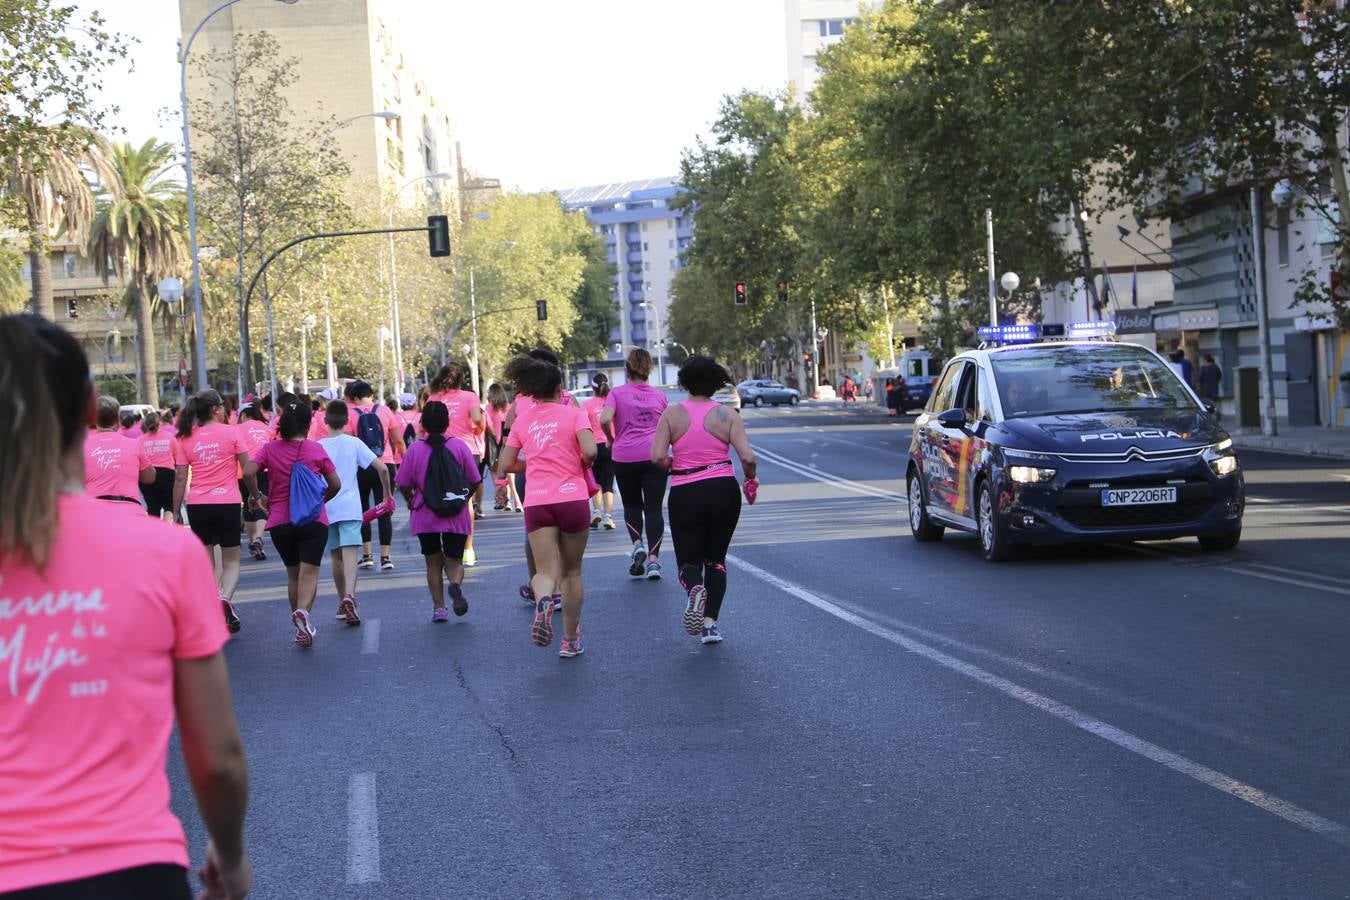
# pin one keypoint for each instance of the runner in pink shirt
(494, 414)
(467, 424)
(602, 504)
(360, 397)
(89, 702)
(254, 433)
(209, 454)
(558, 448)
(114, 465)
(629, 419)
(158, 443)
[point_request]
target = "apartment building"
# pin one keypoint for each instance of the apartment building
(351, 64)
(813, 25)
(645, 239)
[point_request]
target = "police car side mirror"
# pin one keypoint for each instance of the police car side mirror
(1211, 407)
(952, 418)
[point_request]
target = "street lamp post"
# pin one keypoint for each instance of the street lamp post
(660, 353)
(473, 330)
(192, 196)
(308, 322)
(993, 291)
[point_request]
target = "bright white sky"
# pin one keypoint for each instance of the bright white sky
(545, 94)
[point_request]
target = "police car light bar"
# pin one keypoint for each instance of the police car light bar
(1098, 329)
(1008, 334)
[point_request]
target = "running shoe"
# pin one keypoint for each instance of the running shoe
(457, 599)
(608, 523)
(711, 635)
(304, 632)
(596, 519)
(693, 613)
(499, 506)
(470, 559)
(527, 594)
(347, 611)
(541, 632)
(653, 569)
(386, 564)
(366, 562)
(231, 617)
(256, 549)
(573, 647)
(441, 614)
(639, 559)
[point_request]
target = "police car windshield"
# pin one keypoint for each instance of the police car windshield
(1048, 381)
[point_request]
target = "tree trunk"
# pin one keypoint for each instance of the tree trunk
(40, 262)
(245, 379)
(1089, 282)
(145, 342)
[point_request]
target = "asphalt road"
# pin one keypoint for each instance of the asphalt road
(884, 718)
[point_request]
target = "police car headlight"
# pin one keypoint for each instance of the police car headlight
(1030, 474)
(1221, 458)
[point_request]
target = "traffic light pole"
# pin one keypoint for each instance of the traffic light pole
(248, 297)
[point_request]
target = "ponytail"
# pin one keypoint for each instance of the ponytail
(44, 395)
(197, 411)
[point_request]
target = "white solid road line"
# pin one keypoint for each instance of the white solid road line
(1290, 812)
(370, 636)
(825, 478)
(363, 831)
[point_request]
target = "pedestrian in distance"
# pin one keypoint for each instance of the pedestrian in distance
(158, 443)
(298, 523)
(554, 444)
(349, 455)
(1209, 378)
(602, 504)
(131, 424)
(629, 420)
(84, 795)
(374, 424)
(209, 454)
(467, 424)
(254, 432)
(494, 412)
(115, 466)
(693, 441)
(438, 477)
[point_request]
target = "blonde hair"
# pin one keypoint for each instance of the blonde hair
(639, 364)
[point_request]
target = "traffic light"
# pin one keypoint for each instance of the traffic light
(541, 310)
(438, 235)
(782, 292)
(806, 357)
(740, 293)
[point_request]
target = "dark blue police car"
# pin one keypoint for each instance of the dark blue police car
(1035, 441)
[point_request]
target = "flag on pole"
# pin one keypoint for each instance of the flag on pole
(1134, 284)
(1106, 290)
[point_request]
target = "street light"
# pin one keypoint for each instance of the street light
(393, 272)
(306, 323)
(660, 353)
(170, 290)
(192, 196)
(330, 367)
(1010, 282)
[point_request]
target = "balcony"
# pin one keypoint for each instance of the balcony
(636, 295)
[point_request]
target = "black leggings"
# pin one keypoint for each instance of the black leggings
(159, 496)
(159, 880)
(372, 494)
(703, 517)
(642, 486)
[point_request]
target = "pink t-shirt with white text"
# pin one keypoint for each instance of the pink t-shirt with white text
(254, 434)
(211, 453)
(637, 409)
(112, 465)
(460, 405)
(159, 448)
(87, 701)
(546, 434)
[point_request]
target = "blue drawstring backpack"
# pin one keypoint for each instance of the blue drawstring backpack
(307, 490)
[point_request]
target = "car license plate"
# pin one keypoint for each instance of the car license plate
(1138, 496)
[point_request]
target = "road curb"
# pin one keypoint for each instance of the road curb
(1290, 447)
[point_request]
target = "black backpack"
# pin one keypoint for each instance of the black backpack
(370, 430)
(446, 489)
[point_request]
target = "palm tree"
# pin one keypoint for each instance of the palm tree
(138, 225)
(55, 189)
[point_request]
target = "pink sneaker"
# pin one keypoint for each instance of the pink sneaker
(304, 632)
(347, 610)
(573, 647)
(541, 632)
(440, 615)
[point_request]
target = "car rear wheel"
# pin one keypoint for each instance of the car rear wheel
(993, 541)
(1214, 542)
(924, 528)
(759, 401)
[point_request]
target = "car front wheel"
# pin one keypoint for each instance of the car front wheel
(922, 527)
(993, 541)
(759, 401)
(792, 401)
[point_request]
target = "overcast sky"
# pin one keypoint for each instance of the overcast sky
(545, 94)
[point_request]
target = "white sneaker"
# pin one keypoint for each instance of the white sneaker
(639, 559)
(608, 522)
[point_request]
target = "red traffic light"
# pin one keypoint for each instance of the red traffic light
(740, 293)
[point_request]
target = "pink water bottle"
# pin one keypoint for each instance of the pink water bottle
(751, 490)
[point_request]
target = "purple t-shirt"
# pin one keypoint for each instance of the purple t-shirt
(637, 409)
(277, 458)
(412, 474)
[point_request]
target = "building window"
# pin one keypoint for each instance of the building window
(672, 265)
(1282, 235)
(647, 266)
(672, 243)
(644, 247)
(833, 26)
(644, 226)
(72, 262)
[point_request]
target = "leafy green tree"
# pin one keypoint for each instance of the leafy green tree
(594, 303)
(704, 319)
(13, 292)
(139, 230)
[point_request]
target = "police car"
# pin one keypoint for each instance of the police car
(1050, 434)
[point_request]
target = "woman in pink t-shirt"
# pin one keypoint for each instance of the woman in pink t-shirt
(254, 431)
(158, 443)
(629, 418)
(210, 453)
(88, 704)
(115, 466)
(467, 424)
(602, 504)
(494, 415)
(560, 448)
(300, 547)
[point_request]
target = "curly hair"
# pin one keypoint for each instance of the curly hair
(534, 377)
(703, 376)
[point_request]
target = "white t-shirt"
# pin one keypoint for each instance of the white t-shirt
(348, 454)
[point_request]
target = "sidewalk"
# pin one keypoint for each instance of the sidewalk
(1313, 441)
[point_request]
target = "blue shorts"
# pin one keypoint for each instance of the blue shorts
(343, 534)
